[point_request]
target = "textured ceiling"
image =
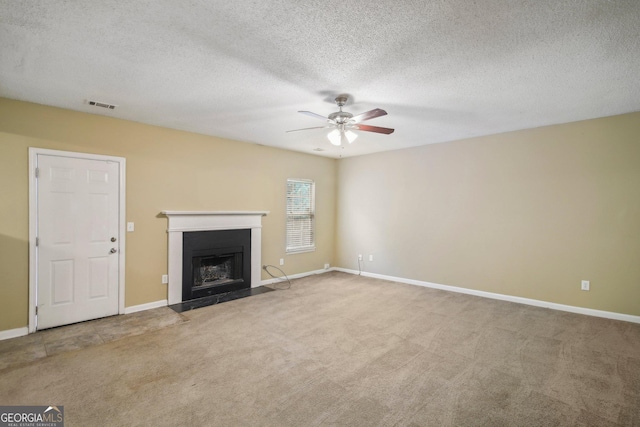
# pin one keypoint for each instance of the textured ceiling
(443, 69)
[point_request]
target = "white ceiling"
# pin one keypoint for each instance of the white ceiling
(442, 69)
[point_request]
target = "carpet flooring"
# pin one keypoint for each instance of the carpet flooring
(339, 349)
(26, 349)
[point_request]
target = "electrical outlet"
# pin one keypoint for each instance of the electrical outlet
(370, 257)
(585, 285)
(359, 257)
(165, 279)
(281, 261)
(326, 266)
(130, 227)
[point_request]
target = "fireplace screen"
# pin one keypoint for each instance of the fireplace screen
(215, 262)
(216, 270)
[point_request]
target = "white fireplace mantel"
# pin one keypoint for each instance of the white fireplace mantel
(185, 221)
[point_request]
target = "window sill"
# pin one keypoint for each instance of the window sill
(301, 250)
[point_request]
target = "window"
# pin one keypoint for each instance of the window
(300, 215)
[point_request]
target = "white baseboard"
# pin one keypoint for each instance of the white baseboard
(538, 303)
(147, 306)
(295, 276)
(14, 333)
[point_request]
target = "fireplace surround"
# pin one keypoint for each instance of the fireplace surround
(185, 223)
(215, 262)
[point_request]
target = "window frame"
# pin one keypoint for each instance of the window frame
(312, 218)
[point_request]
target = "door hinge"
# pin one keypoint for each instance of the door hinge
(37, 172)
(37, 241)
(36, 310)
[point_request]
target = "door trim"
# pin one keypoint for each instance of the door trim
(33, 223)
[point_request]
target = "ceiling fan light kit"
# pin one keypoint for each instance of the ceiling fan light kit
(340, 137)
(344, 123)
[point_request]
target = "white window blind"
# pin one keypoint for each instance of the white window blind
(300, 215)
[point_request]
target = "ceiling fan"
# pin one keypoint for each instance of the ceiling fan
(344, 123)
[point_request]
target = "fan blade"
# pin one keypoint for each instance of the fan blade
(316, 127)
(368, 115)
(376, 129)
(310, 114)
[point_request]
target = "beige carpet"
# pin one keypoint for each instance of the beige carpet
(339, 349)
(82, 335)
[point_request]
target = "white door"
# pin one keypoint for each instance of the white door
(77, 239)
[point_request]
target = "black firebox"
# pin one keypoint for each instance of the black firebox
(215, 262)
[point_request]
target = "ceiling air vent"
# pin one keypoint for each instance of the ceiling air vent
(102, 104)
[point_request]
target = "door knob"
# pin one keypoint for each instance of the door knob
(113, 239)
(113, 251)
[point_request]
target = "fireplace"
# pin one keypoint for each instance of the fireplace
(216, 269)
(215, 262)
(186, 223)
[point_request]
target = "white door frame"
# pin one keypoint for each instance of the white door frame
(33, 223)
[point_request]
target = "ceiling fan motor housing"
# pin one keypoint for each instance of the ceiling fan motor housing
(340, 117)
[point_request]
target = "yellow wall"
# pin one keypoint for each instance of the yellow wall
(528, 213)
(166, 170)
